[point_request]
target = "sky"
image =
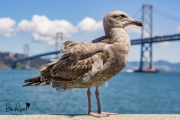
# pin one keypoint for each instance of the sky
(36, 22)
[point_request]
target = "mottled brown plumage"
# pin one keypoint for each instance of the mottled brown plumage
(88, 64)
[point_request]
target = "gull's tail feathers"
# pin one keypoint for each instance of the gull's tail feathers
(35, 81)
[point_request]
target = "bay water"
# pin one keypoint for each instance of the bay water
(126, 93)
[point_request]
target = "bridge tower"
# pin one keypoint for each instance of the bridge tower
(59, 38)
(146, 61)
(26, 54)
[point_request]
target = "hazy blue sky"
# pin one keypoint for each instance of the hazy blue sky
(35, 22)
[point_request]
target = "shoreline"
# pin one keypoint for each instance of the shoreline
(87, 117)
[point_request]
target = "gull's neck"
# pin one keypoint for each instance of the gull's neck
(118, 35)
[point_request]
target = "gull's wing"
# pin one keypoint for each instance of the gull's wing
(102, 39)
(80, 61)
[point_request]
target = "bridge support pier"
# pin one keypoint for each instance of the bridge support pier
(14, 65)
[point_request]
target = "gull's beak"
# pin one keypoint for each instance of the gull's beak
(136, 22)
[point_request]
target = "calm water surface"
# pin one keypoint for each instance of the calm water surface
(129, 93)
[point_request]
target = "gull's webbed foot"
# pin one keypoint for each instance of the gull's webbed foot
(102, 114)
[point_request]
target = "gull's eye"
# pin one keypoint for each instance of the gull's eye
(122, 16)
(115, 16)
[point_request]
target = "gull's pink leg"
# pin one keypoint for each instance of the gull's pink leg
(98, 100)
(89, 106)
(89, 100)
(100, 113)
(99, 104)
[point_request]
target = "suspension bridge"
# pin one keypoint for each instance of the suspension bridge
(146, 40)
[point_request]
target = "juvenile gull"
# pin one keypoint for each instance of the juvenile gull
(88, 64)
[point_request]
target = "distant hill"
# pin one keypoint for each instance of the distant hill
(6, 61)
(161, 65)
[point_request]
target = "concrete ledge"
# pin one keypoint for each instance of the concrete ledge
(86, 117)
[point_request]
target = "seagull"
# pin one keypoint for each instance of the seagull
(89, 64)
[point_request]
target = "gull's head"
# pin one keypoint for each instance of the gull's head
(119, 19)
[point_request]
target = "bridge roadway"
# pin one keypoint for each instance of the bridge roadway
(156, 39)
(133, 42)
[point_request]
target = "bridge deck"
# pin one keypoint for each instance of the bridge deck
(156, 39)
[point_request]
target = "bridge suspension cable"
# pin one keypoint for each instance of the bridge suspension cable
(136, 13)
(166, 15)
